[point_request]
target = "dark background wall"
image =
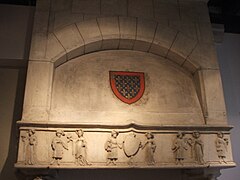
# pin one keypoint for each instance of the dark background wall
(229, 61)
(15, 34)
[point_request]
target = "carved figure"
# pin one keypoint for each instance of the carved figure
(197, 145)
(221, 147)
(24, 140)
(150, 146)
(80, 149)
(111, 146)
(179, 147)
(30, 143)
(58, 145)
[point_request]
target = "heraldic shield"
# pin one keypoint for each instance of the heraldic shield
(127, 86)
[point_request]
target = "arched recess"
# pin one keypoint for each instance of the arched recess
(112, 33)
(109, 33)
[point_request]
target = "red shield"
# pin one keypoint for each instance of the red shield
(127, 86)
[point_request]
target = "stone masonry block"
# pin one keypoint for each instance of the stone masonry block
(91, 35)
(71, 40)
(163, 40)
(194, 11)
(109, 28)
(127, 28)
(214, 97)
(166, 9)
(145, 34)
(205, 32)
(38, 90)
(51, 22)
(38, 46)
(181, 48)
(86, 6)
(41, 22)
(185, 27)
(87, 17)
(114, 7)
(140, 8)
(65, 18)
(190, 66)
(205, 55)
(61, 5)
(43, 5)
(55, 50)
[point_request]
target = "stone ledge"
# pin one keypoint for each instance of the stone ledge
(131, 126)
(126, 166)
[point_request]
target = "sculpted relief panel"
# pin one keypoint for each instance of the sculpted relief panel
(89, 87)
(122, 148)
(122, 91)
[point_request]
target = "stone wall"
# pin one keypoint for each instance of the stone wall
(170, 41)
(64, 31)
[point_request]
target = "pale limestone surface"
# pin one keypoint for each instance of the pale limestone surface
(205, 55)
(37, 104)
(216, 109)
(181, 48)
(68, 79)
(114, 7)
(92, 36)
(127, 30)
(166, 9)
(64, 18)
(163, 155)
(82, 91)
(145, 34)
(109, 27)
(143, 9)
(55, 50)
(87, 7)
(71, 41)
(163, 40)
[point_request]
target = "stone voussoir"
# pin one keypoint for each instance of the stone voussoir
(71, 40)
(121, 33)
(145, 34)
(181, 48)
(163, 40)
(127, 26)
(91, 35)
(205, 55)
(55, 51)
(109, 28)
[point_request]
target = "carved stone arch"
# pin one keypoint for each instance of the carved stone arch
(112, 33)
(68, 84)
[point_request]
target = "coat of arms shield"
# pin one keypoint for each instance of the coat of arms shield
(127, 86)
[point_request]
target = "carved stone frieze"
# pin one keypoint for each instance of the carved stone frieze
(150, 148)
(111, 146)
(197, 148)
(30, 144)
(179, 147)
(221, 147)
(123, 147)
(79, 148)
(58, 145)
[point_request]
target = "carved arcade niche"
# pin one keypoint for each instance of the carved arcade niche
(127, 148)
